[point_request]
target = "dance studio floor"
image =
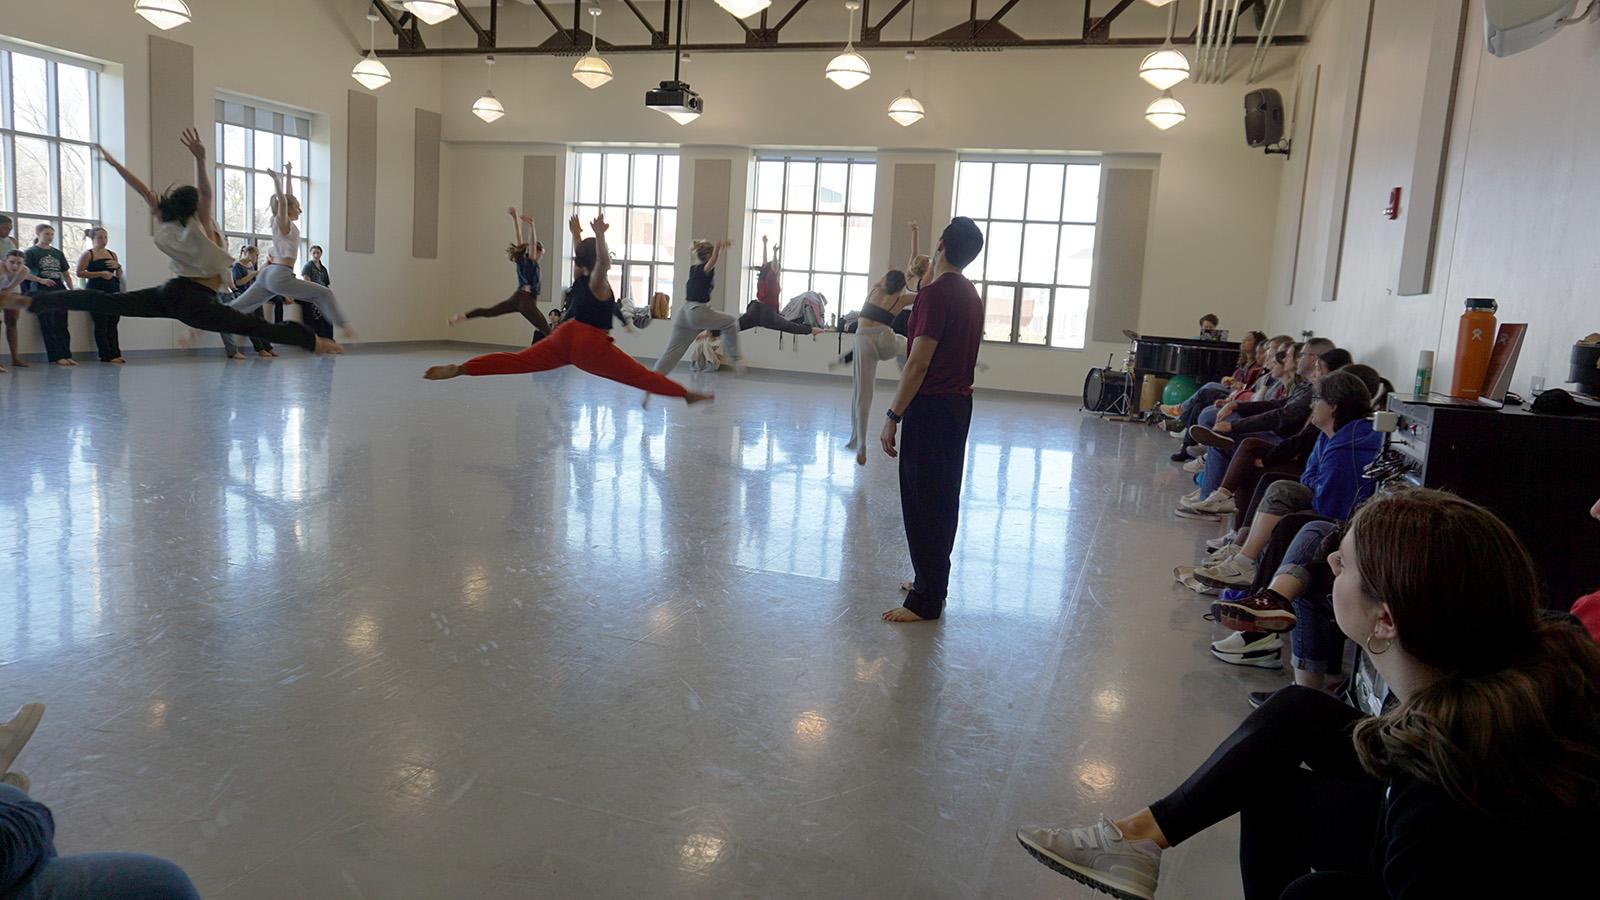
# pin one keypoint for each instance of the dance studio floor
(318, 628)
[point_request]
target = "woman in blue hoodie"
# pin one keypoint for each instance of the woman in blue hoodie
(1331, 484)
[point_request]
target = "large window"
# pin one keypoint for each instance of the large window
(1038, 221)
(638, 191)
(252, 141)
(48, 127)
(819, 210)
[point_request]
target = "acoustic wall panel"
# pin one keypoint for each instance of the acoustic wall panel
(1119, 252)
(361, 174)
(708, 218)
(540, 187)
(425, 203)
(171, 111)
(913, 202)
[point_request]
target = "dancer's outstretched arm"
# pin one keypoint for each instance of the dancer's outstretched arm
(516, 226)
(716, 253)
(139, 187)
(202, 183)
(599, 283)
(535, 252)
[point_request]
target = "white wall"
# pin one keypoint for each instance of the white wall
(1517, 211)
(1213, 212)
(295, 53)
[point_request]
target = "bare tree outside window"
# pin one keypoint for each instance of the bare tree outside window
(47, 131)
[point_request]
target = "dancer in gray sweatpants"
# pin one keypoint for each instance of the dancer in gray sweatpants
(695, 314)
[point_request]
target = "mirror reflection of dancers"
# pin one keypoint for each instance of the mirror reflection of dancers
(875, 341)
(525, 256)
(187, 233)
(695, 314)
(583, 338)
(277, 276)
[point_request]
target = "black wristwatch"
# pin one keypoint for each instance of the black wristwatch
(895, 417)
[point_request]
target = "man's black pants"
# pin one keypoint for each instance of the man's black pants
(933, 453)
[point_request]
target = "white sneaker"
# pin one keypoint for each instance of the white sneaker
(1235, 571)
(1097, 855)
(1190, 498)
(1217, 543)
(1262, 653)
(1189, 512)
(1195, 466)
(1221, 554)
(1218, 503)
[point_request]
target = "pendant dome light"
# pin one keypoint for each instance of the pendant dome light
(431, 11)
(1165, 111)
(744, 8)
(849, 69)
(1167, 66)
(906, 109)
(488, 108)
(163, 14)
(1160, 3)
(590, 70)
(370, 72)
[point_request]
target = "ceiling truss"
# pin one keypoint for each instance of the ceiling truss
(976, 33)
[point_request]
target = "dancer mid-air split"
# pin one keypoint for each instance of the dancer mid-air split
(186, 232)
(276, 278)
(525, 255)
(583, 338)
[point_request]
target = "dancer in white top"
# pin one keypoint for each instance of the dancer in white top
(277, 277)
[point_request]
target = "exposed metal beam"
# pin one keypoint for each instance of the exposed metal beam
(554, 22)
(404, 27)
(560, 45)
(798, 5)
(656, 37)
(1101, 27)
(485, 39)
(1000, 14)
(870, 35)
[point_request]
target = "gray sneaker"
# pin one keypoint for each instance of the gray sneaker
(1097, 855)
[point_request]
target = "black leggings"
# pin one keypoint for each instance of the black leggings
(105, 336)
(521, 302)
(764, 316)
(190, 302)
(1292, 819)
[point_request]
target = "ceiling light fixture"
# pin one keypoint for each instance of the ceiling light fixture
(488, 108)
(431, 11)
(849, 69)
(1159, 3)
(1165, 111)
(590, 70)
(744, 8)
(906, 109)
(163, 14)
(1167, 66)
(674, 98)
(370, 72)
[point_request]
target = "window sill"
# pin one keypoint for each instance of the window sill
(1021, 346)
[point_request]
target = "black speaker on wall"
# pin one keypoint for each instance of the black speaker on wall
(1263, 117)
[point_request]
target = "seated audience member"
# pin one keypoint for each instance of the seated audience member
(1331, 485)
(1243, 374)
(1208, 328)
(1280, 379)
(29, 866)
(1496, 734)
(1268, 391)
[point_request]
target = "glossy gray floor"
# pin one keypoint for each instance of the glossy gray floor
(317, 628)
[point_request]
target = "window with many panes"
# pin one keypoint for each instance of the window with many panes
(818, 209)
(48, 127)
(251, 142)
(638, 192)
(1038, 221)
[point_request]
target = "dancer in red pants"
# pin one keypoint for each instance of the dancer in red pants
(583, 338)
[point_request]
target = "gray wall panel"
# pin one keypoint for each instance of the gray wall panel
(913, 202)
(708, 218)
(541, 186)
(425, 205)
(171, 111)
(1119, 252)
(361, 174)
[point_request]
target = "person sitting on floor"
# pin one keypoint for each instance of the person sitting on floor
(1261, 389)
(1496, 734)
(1282, 369)
(1244, 373)
(1331, 484)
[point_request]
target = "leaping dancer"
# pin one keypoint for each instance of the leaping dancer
(525, 256)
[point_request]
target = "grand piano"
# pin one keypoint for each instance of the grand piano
(1201, 360)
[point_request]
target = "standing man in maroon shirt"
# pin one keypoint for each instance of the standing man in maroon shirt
(935, 405)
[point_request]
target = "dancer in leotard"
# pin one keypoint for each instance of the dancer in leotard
(99, 270)
(763, 311)
(188, 235)
(277, 276)
(525, 300)
(583, 338)
(695, 314)
(875, 341)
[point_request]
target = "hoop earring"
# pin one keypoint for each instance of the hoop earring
(1368, 643)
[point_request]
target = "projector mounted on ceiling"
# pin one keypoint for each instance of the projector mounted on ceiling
(676, 100)
(1512, 26)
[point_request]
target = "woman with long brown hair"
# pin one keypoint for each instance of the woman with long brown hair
(1481, 781)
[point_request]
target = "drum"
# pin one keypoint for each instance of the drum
(1103, 389)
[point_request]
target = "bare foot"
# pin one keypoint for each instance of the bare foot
(326, 346)
(456, 319)
(692, 397)
(440, 373)
(119, 361)
(264, 354)
(861, 457)
(20, 364)
(901, 614)
(272, 353)
(66, 362)
(816, 331)
(348, 332)
(907, 587)
(236, 355)
(2, 370)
